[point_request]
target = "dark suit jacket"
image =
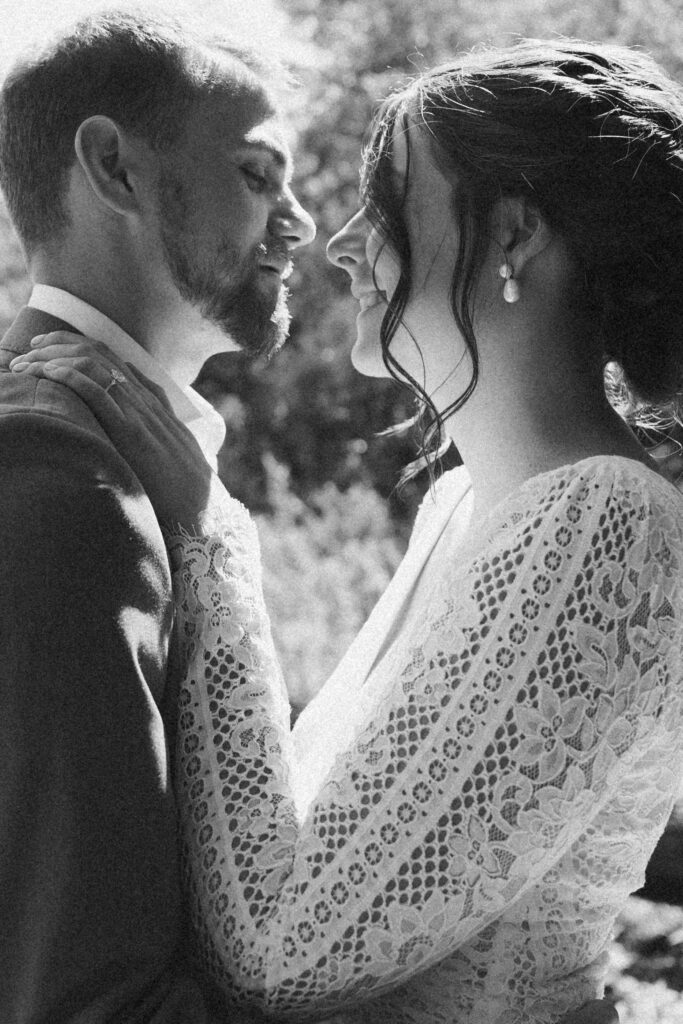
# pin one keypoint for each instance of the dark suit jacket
(90, 913)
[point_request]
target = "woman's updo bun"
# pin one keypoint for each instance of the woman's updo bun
(642, 331)
(641, 319)
(592, 134)
(650, 355)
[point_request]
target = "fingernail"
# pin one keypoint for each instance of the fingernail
(38, 339)
(18, 367)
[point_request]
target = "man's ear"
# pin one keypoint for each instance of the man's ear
(110, 162)
(522, 231)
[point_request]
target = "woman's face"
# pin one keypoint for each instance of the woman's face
(427, 345)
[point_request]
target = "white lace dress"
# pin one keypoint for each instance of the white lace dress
(457, 818)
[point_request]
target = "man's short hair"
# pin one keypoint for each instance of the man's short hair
(143, 71)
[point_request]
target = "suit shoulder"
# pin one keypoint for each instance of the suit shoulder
(58, 475)
(43, 424)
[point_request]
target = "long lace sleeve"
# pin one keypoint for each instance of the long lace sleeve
(506, 716)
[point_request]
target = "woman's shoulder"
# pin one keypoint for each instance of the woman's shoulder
(443, 493)
(595, 482)
(601, 499)
(603, 495)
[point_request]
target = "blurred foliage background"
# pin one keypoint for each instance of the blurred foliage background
(303, 448)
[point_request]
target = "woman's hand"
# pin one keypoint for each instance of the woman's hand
(136, 415)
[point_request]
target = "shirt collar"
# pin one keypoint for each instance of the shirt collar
(198, 415)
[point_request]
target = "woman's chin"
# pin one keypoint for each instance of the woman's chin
(366, 354)
(366, 357)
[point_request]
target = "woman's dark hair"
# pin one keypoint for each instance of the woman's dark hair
(592, 134)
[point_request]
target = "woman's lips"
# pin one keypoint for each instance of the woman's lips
(369, 299)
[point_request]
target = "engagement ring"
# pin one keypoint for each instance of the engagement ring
(116, 378)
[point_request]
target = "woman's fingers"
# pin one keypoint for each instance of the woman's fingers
(62, 343)
(99, 367)
(102, 375)
(42, 355)
(68, 338)
(66, 345)
(91, 367)
(120, 408)
(111, 393)
(160, 450)
(108, 385)
(104, 405)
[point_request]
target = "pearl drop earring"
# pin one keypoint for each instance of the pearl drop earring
(510, 288)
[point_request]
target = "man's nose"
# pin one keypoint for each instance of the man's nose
(293, 224)
(347, 247)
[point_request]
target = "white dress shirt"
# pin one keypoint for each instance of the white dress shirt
(200, 418)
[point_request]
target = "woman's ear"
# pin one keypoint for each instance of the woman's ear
(522, 231)
(111, 163)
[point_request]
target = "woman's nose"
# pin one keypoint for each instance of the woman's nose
(347, 247)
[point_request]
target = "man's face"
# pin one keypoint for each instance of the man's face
(229, 220)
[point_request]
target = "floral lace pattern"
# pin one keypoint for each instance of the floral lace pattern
(518, 759)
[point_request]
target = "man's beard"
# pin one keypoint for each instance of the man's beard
(223, 285)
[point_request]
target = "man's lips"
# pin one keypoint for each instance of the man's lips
(281, 267)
